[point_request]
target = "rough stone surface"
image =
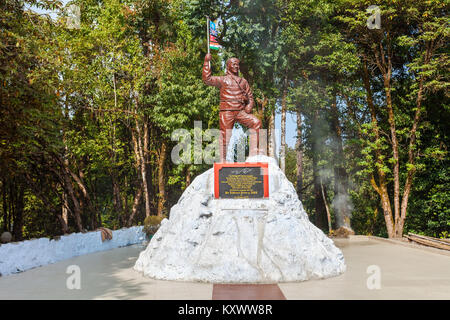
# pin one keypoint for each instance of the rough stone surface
(20, 256)
(240, 240)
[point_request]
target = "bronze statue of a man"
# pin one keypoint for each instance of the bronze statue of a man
(236, 104)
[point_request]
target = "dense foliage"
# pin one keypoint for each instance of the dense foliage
(87, 109)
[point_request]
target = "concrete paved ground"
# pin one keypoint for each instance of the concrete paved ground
(405, 273)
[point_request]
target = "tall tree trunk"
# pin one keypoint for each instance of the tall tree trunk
(188, 176)
(271, 135)
(67, 173)
(90, 204)
(384, 64)
(325, 202)
(139, 139)
(6, 225)
(145, 162)
(18, 214)
(341, 200)
(299, 150)
(430, 47)
(64, 226)
(394, 143)
(64, 218)
(411, 155)
(320, 210)
(136, 202)
(124, 199)
(381, 187)
(77, 209)
(12, 202)
(283, 127)
(117, 201)
(80, 182)
(64, 212)
(319, 205)
(162, 178)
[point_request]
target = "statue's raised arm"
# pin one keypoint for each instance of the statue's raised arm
(208, 79)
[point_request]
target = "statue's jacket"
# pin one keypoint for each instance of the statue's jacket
(235, 93)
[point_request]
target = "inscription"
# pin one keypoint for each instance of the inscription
(242, 182)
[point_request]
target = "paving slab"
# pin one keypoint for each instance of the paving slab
(104, 275)
(404, 273)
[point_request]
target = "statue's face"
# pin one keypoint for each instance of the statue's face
(233, 66)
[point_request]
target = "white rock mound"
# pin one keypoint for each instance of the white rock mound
(240, 240)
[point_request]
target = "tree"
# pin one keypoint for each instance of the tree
(420, 26)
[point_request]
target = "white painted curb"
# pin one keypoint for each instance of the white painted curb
(20, 256)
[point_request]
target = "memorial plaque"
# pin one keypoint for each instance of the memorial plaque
(241, 180)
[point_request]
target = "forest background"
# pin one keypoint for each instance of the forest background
(88, 106)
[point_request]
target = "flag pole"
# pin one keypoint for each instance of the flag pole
(207, 31)
(207, 37)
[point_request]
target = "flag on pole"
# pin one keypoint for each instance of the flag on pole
(213, 44)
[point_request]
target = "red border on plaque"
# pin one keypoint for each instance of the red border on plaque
(262, 165)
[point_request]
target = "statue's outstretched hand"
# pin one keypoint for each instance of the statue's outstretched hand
(208, 57)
